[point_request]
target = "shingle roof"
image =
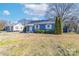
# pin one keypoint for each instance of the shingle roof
(31, 22)
(38, 21)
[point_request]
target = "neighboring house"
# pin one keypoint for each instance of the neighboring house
(18, 27)
(70, 26)
(77, 26)
(9, 28)
(40, 25)
(14, 27)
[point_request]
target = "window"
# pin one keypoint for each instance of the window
(16, 27)
(48, 26)
(37, 27)
(21, 27)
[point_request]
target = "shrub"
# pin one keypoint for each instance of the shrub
(50, 31)
(58, 25)
(40, 31)
(45, 31)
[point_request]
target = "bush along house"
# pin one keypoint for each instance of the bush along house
(33, 26)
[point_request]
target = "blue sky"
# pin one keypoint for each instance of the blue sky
(17, 11)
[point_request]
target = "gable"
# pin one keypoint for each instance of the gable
(18, 25)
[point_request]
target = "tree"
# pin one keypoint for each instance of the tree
(2, 25)
(58, 25)
(71, 26)
(64, 10)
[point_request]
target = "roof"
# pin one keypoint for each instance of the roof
(12, 24)
(33, 22)
(39, 21)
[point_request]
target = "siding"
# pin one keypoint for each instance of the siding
(9, 28)
(27, 28)
(53, 27)
(41, 27)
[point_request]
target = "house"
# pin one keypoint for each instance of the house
(70, 26)
(77, 26)
(8, 28)
(32, 26)
(18, 27)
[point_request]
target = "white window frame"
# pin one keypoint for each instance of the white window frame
(30, 29)
(37, 26)
(16, 27)
(48, 26)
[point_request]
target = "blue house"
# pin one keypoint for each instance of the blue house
(32, 26)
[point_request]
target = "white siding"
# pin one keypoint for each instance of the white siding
(18, 27)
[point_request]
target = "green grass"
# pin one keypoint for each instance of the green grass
(7, 42)
(41, 45)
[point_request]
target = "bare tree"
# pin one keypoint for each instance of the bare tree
(68, 11)
(64, 10)
(2, 24)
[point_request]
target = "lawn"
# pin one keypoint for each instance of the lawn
(31, 44)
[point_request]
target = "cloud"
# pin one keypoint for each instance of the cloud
(35, 18)
(37, 9)
(6, 12)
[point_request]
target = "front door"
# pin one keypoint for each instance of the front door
(30, 29)
(26, 28)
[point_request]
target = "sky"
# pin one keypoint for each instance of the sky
(17, 11)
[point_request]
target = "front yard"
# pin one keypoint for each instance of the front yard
(26, 44)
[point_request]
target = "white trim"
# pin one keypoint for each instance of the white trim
(29, 24)
(37, 26)
(30, 28)
(33, 24)
(18, 27)
(48, 26)
(44, 23)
